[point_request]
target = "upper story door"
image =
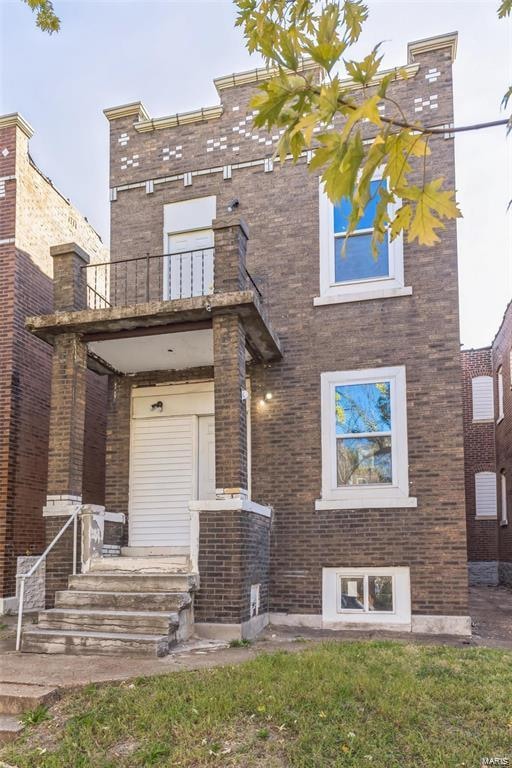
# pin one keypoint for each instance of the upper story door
(188, 239)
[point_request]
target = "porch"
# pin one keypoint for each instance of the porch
(179, 545)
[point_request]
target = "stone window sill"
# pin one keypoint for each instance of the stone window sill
(373, 293)
(366, 502)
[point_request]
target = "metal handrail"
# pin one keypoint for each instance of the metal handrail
(145, 258)
(73, 518)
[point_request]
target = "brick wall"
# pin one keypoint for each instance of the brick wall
(479, 456)
(234, 553)
(419, 331)
(36, 216)
(501, 356)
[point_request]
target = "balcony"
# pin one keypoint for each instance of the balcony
(112, 304)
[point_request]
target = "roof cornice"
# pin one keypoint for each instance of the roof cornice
(180, 118)
(257, 75)
(135, 109)
(15, 119)
(433, 44)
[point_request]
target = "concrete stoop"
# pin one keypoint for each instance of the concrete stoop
(125, 611)
(15, 700)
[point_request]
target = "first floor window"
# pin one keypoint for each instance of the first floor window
(486, 502)
(364, 438)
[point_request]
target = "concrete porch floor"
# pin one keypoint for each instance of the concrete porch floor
(491, 611)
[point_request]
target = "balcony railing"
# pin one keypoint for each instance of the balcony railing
(152, 278)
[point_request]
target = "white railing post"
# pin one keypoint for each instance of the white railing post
(20, 612)
(23, 576)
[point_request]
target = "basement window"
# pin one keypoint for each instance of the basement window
(366, 595)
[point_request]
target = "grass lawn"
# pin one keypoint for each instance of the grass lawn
(380, 704)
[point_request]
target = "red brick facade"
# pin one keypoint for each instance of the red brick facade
(502, 358)
(479, 456)
(33, 217)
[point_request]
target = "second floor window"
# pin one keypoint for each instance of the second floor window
(349, 270)
(353, 255)
(500, 394)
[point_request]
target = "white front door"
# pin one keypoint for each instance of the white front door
(172, 461)
(188, 238)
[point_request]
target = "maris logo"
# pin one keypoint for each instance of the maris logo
(494, 761)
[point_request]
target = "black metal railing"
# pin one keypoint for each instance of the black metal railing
(148, 278)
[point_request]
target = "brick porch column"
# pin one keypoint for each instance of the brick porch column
(67, 416)
(231, 235)
(230, 409)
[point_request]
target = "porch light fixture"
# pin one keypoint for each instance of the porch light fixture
(158, 406)
(244, 395)
(266, 398)
(233, 204)
(268, 395)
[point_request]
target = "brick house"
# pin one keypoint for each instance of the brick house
(275, 409)
(487, 408)
(33, 216)
(480, 465)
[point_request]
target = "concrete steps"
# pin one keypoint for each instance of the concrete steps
(87, 643)
(86, 620)
(10, 727)
(151, 564)
(116, 611)
(123, 601)
(15, 699)
(112, 581)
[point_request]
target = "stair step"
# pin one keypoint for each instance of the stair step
(154, 564)
(10, 727)
(111, 621)
(125, 601)
(16, 698)
(37, 640)
(109, 581)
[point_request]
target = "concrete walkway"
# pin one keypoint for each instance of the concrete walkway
(492, 626)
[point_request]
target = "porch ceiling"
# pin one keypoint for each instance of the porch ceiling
(106, 324)
(157, 352)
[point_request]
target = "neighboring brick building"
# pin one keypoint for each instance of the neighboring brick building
(480, 465)
(33, 216)
(284, 424)
(502, 373)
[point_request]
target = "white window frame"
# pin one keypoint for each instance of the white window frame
(334, 616)
(501, 410)
(394, 495)
(332, 292)
(491, 477)
(365, 576)
(503, 498)
(479, 413)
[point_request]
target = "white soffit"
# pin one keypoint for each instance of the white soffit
(190, 349)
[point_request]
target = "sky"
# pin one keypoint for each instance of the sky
(166, 54)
